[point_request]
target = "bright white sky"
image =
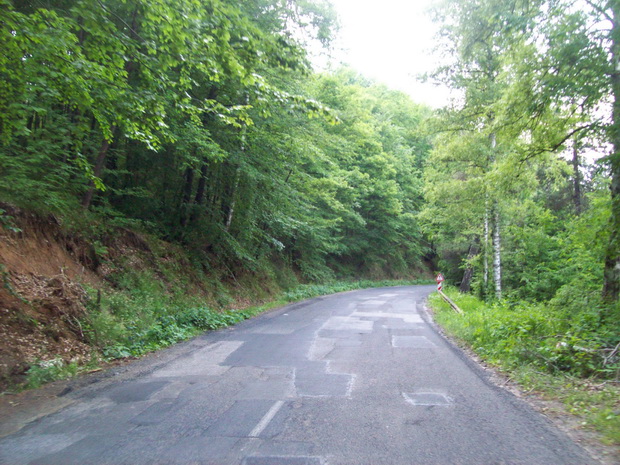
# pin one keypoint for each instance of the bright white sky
(390, 41)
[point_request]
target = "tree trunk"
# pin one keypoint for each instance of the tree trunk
(611, 287)
(233, 195)
(233, 201)
(202, 182)
(497, 256)
(469, 271)
(87, 198)
(485, 276)
(200, 193)
(576, 178)
(187, 194)
(188, 176)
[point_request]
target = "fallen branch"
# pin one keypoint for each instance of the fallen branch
(609, 358)
(452, 304)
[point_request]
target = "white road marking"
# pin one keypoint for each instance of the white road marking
(352, 378)
(258, 429)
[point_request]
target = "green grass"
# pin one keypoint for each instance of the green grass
(594, 401)
(43, 372)
(544, 350)
(308, 291)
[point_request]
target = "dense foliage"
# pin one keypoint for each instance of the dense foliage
(202, 122)
(519, 180)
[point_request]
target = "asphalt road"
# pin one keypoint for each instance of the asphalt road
(355, 378)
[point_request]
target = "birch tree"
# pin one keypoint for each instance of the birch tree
(473, 46)
(565, 87)
(558, 63)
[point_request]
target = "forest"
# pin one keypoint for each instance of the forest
(521, 185)
(204, 123)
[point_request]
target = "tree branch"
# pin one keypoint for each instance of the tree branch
(600, 10)
(557, 145)
(103, 7)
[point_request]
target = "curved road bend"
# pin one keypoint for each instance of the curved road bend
(350, 379)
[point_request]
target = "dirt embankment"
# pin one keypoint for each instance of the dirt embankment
(42, 299)
(45, 272)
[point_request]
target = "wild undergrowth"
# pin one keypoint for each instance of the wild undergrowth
(594, 401)
(564, 353)
(151, 295)
(45, 371)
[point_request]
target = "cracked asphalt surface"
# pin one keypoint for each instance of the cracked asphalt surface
(350, 379)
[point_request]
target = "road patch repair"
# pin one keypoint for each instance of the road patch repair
(427, 399)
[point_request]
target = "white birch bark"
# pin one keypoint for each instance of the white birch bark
(486, 246)
(497, 242)
(497, 256)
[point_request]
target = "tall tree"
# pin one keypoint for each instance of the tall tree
(470, 29)
(611, 11)
(566, 82)
(202, 121)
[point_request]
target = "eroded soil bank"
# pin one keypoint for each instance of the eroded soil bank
(52, 278)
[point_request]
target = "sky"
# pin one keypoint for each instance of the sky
(390, 41)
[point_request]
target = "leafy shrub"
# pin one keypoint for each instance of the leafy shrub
(8, 222)
(207, 319)
(140, 317)
(47, 371)
(104, 329)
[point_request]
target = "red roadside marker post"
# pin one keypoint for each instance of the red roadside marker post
(440, 279)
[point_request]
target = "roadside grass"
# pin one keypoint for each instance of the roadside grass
(141, 315)
(308, 291)
(43, 372)
(543, 352)
(595, 402)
